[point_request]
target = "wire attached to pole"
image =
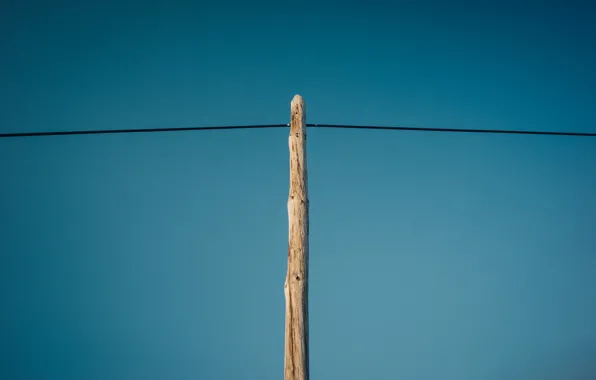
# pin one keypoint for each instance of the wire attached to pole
(336, 126)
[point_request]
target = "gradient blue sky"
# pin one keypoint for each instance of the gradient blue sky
(163, 256)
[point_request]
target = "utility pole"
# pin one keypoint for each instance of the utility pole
(296, 284)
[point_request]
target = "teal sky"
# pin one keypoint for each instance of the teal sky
(163, 256)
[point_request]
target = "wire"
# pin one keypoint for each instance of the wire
(179, 129)
(144, 130)
(500, 131)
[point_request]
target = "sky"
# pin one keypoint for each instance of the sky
(432, 255)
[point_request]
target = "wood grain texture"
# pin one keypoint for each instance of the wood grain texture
(296, 366)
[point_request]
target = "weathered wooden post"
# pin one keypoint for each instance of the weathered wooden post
(296, 284)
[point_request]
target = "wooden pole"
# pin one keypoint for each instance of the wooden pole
(296, 284)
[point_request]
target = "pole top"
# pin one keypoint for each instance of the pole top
(297, 100)
(298, 115)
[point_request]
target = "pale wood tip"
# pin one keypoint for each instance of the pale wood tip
(297, 99)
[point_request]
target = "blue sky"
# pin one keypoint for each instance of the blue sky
(163, 256)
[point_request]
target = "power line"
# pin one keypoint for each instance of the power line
(144, 130)
(496, 131)
(374, 127)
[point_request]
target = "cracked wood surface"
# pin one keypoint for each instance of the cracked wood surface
(296, 284)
